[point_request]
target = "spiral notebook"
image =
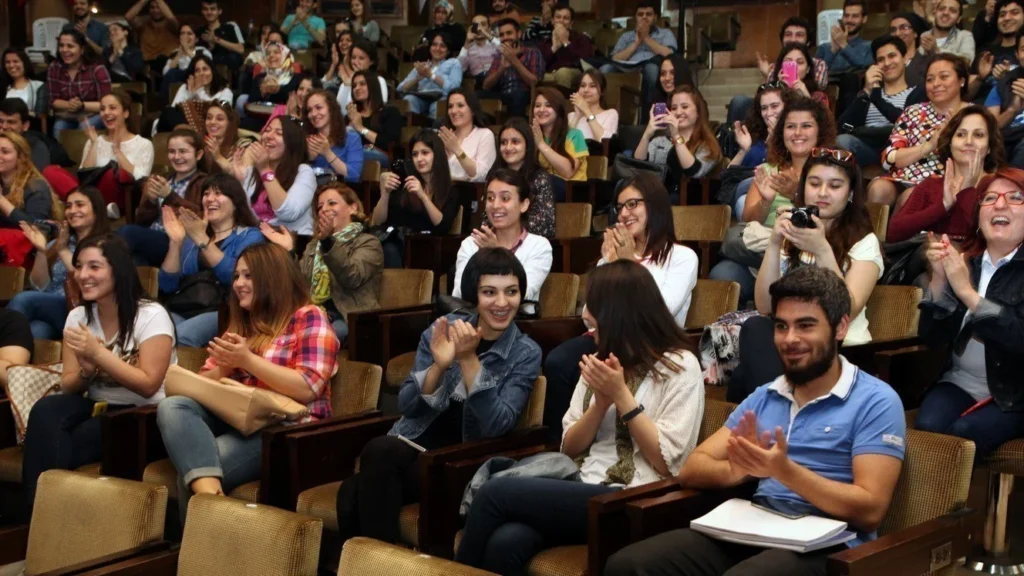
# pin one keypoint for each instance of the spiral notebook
(741, 522)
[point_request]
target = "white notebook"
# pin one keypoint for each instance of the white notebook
(741, 522)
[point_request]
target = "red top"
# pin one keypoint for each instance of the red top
(924, 212)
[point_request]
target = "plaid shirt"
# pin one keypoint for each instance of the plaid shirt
(91, 83)
(307, 346)
(510, 81)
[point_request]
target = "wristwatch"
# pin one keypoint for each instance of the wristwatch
(268, 176)
(591, 118)
(461, 155)
(364, 131)
(679, 140)
(202, 247)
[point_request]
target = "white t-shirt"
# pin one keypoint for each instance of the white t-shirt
(478, 145)
(867, 249)
(151, 320)
(534, 254)
(184, 95)
(676, 279)
(345, 95)
(138, 151)
(608, 119)
(28, 94)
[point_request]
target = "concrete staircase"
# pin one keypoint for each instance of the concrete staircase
(723, 84)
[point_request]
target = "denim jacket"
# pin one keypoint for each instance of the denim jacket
(239, 240)
(498, 396)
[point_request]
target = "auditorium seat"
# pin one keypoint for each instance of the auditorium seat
(703, 229)
(401, 290)
(46, 351)
(709, 301)
(12, 281)
(369, 557)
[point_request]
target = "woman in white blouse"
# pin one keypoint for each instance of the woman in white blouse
(634, 419)
(132, 153)
(507, 201)
(187, 49)
(467, 140)
(16, 79)
(588, 115)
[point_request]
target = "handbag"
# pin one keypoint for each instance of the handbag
(745, 244)
(92, 176)
(626, 167)
(27, 385)
(198, 293)
(905, 261)
(245, 408)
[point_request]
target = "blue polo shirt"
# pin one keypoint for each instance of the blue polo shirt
(860, 415)
(299, 37)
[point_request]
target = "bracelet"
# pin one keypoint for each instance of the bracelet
(632, 413)
(90, 377)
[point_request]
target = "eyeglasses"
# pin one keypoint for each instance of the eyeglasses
(900, 28)
(841, 156)
(629, 204)
(777, 85)
(1013, 197)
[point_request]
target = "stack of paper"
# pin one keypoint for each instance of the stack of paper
(741, 522)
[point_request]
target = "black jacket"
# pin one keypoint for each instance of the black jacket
(857, 112)
(998, 322)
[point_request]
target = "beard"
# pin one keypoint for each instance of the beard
(854, 32)
(942, 28)
(817, 366)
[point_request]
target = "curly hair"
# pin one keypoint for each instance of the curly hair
(778, 154)
(809, 80)
(996, 157)
(337, 132)
(754, 120)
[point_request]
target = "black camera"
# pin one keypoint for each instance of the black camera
(801, 217)
(399, 168)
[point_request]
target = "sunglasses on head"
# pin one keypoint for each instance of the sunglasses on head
(842, 156)
(776, 85)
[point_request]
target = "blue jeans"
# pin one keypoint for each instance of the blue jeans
(649, 84)
(196, 331)
(203, 446)
(740, 199)
(46, 313)
(62, 124)
(735, 272)
(739, 106)
(514, 519)
(866, 155)
(988, 427)
(375, 154)
(149, 247)
(420, 106)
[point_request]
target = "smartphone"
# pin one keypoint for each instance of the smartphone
(400, 169)
(788, 73)
(660, 109)
(475, 28)
(762, 503)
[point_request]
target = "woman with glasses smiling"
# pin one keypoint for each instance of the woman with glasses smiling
(645, 234)
(973, 304)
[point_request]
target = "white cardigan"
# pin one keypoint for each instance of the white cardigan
(534, 254)
(676, 279)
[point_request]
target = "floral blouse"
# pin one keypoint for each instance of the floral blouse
(915, 125)
(540, 218)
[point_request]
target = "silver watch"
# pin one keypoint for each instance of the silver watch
(591, 118)
(364, 131)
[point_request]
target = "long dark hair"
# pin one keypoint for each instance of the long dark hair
(87, 56)
(530, 164)
(440, 176)
(755, 121)
(996, 156)
(293, 157)
(230, 187)
(639, 336)
(661, 230)
(336, 124)
(5, 80)
(217, 83)
(681, 71)
(851, 226)
(809, 80)
(230, 134)
(100, 220)
(474, 107)
(560, 129)
(374, 98)
(778, 154)
(128, 292)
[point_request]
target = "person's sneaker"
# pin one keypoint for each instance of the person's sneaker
(113, 212)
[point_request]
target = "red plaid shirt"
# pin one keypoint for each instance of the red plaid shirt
(91, 83)
(307, 346)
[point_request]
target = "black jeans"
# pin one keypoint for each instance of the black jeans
(62, 435)
(516, 103)
(370, 501)
(688, 553)
(513, 519)
(562, 370)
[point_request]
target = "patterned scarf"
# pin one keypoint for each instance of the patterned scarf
(320, 285)
(623, 470)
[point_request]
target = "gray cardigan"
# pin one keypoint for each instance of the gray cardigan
(37, 205)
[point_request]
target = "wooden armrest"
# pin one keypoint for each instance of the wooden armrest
(607, 526)
(13, 544)
(578, 255)
(925, 548)
(108, 562)
(911, 370)
(400, 332)
(366, 332)
(8, 437)
(162, 563)
(704, 191)
(675, 509)
(863, 355)
(329, 454)
(707, 254)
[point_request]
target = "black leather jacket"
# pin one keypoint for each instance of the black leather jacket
(998, 322)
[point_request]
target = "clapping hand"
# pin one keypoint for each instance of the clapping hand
(839, 37)
(999, 70)
(753, 454)
(952, 183)
(230, 351)
(195, 227)
(281, 237)
(606, 377)
(269, 86)
(484, 237)
(63, 234)
(157, 187)
(83, 343)
(763, 63)
(1017, 89)
(465, 338)
(34, 235)
(450, 141)
(259, 156)
(172, 226)
(315, 145)
(928, 43)
(423, 69)
(985, 63)
(783, 184)
(743, 138)
(90, 130)
(620, 243)
(936, 251)
(538, 132)
(354, 116)
(582, 108)
(764, 183)
(955, 267)
(441, 347)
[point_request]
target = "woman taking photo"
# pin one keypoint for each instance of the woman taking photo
(423, 202)
(46, 307)
(377, 124)
(432, 80)
(911, 155)
(471, 380)
(364, 59)
(467, 140)
(24, 194)
(518, 151)
(343, 264)
(203, 248)
(330, 146)
(644, 233)
(974, 298)
(971, 148)
(360, 18)
(175, 70)
(562, 151)
(17, 79)
(279, 185)
(276, 339)
(804, 124)
(588, 115)
(220, 134)
(76, 84)
(122, 57)
(633, 419)
(806, 83)
(202, 84)
(690, 149)
(506, 202)
(132, 153)
(117, 347)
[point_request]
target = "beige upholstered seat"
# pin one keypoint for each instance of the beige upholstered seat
(12, 281)
(892, 312)
(399, 368)
(78, 518)
(697, 223)
(228, 536)
(558, 295)
(710, 300)
(10, 464)
(879, 214)
(46, 351)
(162, 472)
(321, 502)
(192, 359)
(150, 278)
(368, 557)
(400, 287)
(573, 219)
(371, 171)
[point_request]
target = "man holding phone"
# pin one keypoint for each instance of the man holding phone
(823, 439)
(515, 70)
(479, 51)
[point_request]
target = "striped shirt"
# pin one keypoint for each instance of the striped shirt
(899, 100)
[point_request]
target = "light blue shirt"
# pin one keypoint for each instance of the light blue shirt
(450, 72)
(299, 37)
(860, 415)
(993, 99)
(662, 36)
(351, 153)
(857, 54)
(968, 370)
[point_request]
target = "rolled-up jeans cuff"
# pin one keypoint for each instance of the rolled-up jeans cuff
(197, 473)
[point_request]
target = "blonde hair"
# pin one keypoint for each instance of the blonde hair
(25, 172)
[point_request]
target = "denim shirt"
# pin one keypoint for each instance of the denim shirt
(497, 398)
(59, 272)
(450, 70)
(232, 246)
